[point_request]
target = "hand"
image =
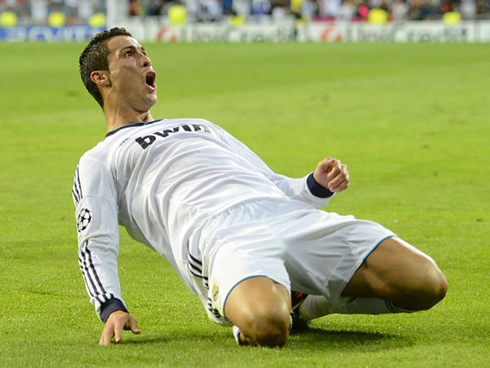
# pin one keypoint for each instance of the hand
(114, 326)
(332, 174)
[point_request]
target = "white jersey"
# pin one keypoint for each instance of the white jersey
(161, 180)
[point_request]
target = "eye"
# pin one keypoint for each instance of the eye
(128, 53)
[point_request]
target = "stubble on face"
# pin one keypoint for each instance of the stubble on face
(129, 68)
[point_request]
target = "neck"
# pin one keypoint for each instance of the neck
(117, 119)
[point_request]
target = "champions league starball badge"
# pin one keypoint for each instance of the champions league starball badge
(84, 219)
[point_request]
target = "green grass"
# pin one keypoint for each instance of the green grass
(412, 121)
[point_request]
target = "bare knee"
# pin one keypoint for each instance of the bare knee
(266, 328)
(261, 309)
(428, 289)
(419, 286)
(398, 272)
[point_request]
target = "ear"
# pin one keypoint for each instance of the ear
(101, 78)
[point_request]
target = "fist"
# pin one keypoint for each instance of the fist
(332, 174)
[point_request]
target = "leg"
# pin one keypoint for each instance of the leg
(397, 272)
(261, 309)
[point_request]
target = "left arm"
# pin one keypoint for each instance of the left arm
(332, 175)
(329, 177)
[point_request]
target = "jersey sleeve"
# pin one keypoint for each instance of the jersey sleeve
(95, 197)
(305, 189)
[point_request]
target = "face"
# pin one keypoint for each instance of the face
(131, 76)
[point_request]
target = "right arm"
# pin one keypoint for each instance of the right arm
(95, 198)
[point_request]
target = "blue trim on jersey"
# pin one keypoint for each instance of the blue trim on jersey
(131, 125)
(316, 188)
(377, 245)
(110, 306)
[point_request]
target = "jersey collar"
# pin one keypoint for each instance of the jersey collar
(131, 125)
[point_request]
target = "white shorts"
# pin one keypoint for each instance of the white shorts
(304, 249)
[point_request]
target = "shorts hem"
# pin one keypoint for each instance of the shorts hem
(375, 247)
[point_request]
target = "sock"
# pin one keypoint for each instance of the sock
(236, 334)
(369, 306)
(314, 306)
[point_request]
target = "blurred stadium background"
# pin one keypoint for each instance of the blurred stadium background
(249, 20)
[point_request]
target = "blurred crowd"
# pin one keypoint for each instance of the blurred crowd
(315, 10)
(71, 12)
(53, 12)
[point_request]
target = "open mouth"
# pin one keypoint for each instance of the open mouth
(150, 79)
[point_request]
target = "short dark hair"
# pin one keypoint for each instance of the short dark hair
(94, 57)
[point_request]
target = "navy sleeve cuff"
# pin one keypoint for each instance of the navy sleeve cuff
(110, 306)
(316, 189)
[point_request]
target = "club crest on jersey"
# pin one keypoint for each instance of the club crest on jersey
(149, 139)
(84, 219)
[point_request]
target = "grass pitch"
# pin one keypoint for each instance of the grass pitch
(411, 121)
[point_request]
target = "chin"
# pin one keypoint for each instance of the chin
(151, 100)
(154, 101)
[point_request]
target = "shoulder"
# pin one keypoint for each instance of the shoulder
(94, 155)
(94, 164)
